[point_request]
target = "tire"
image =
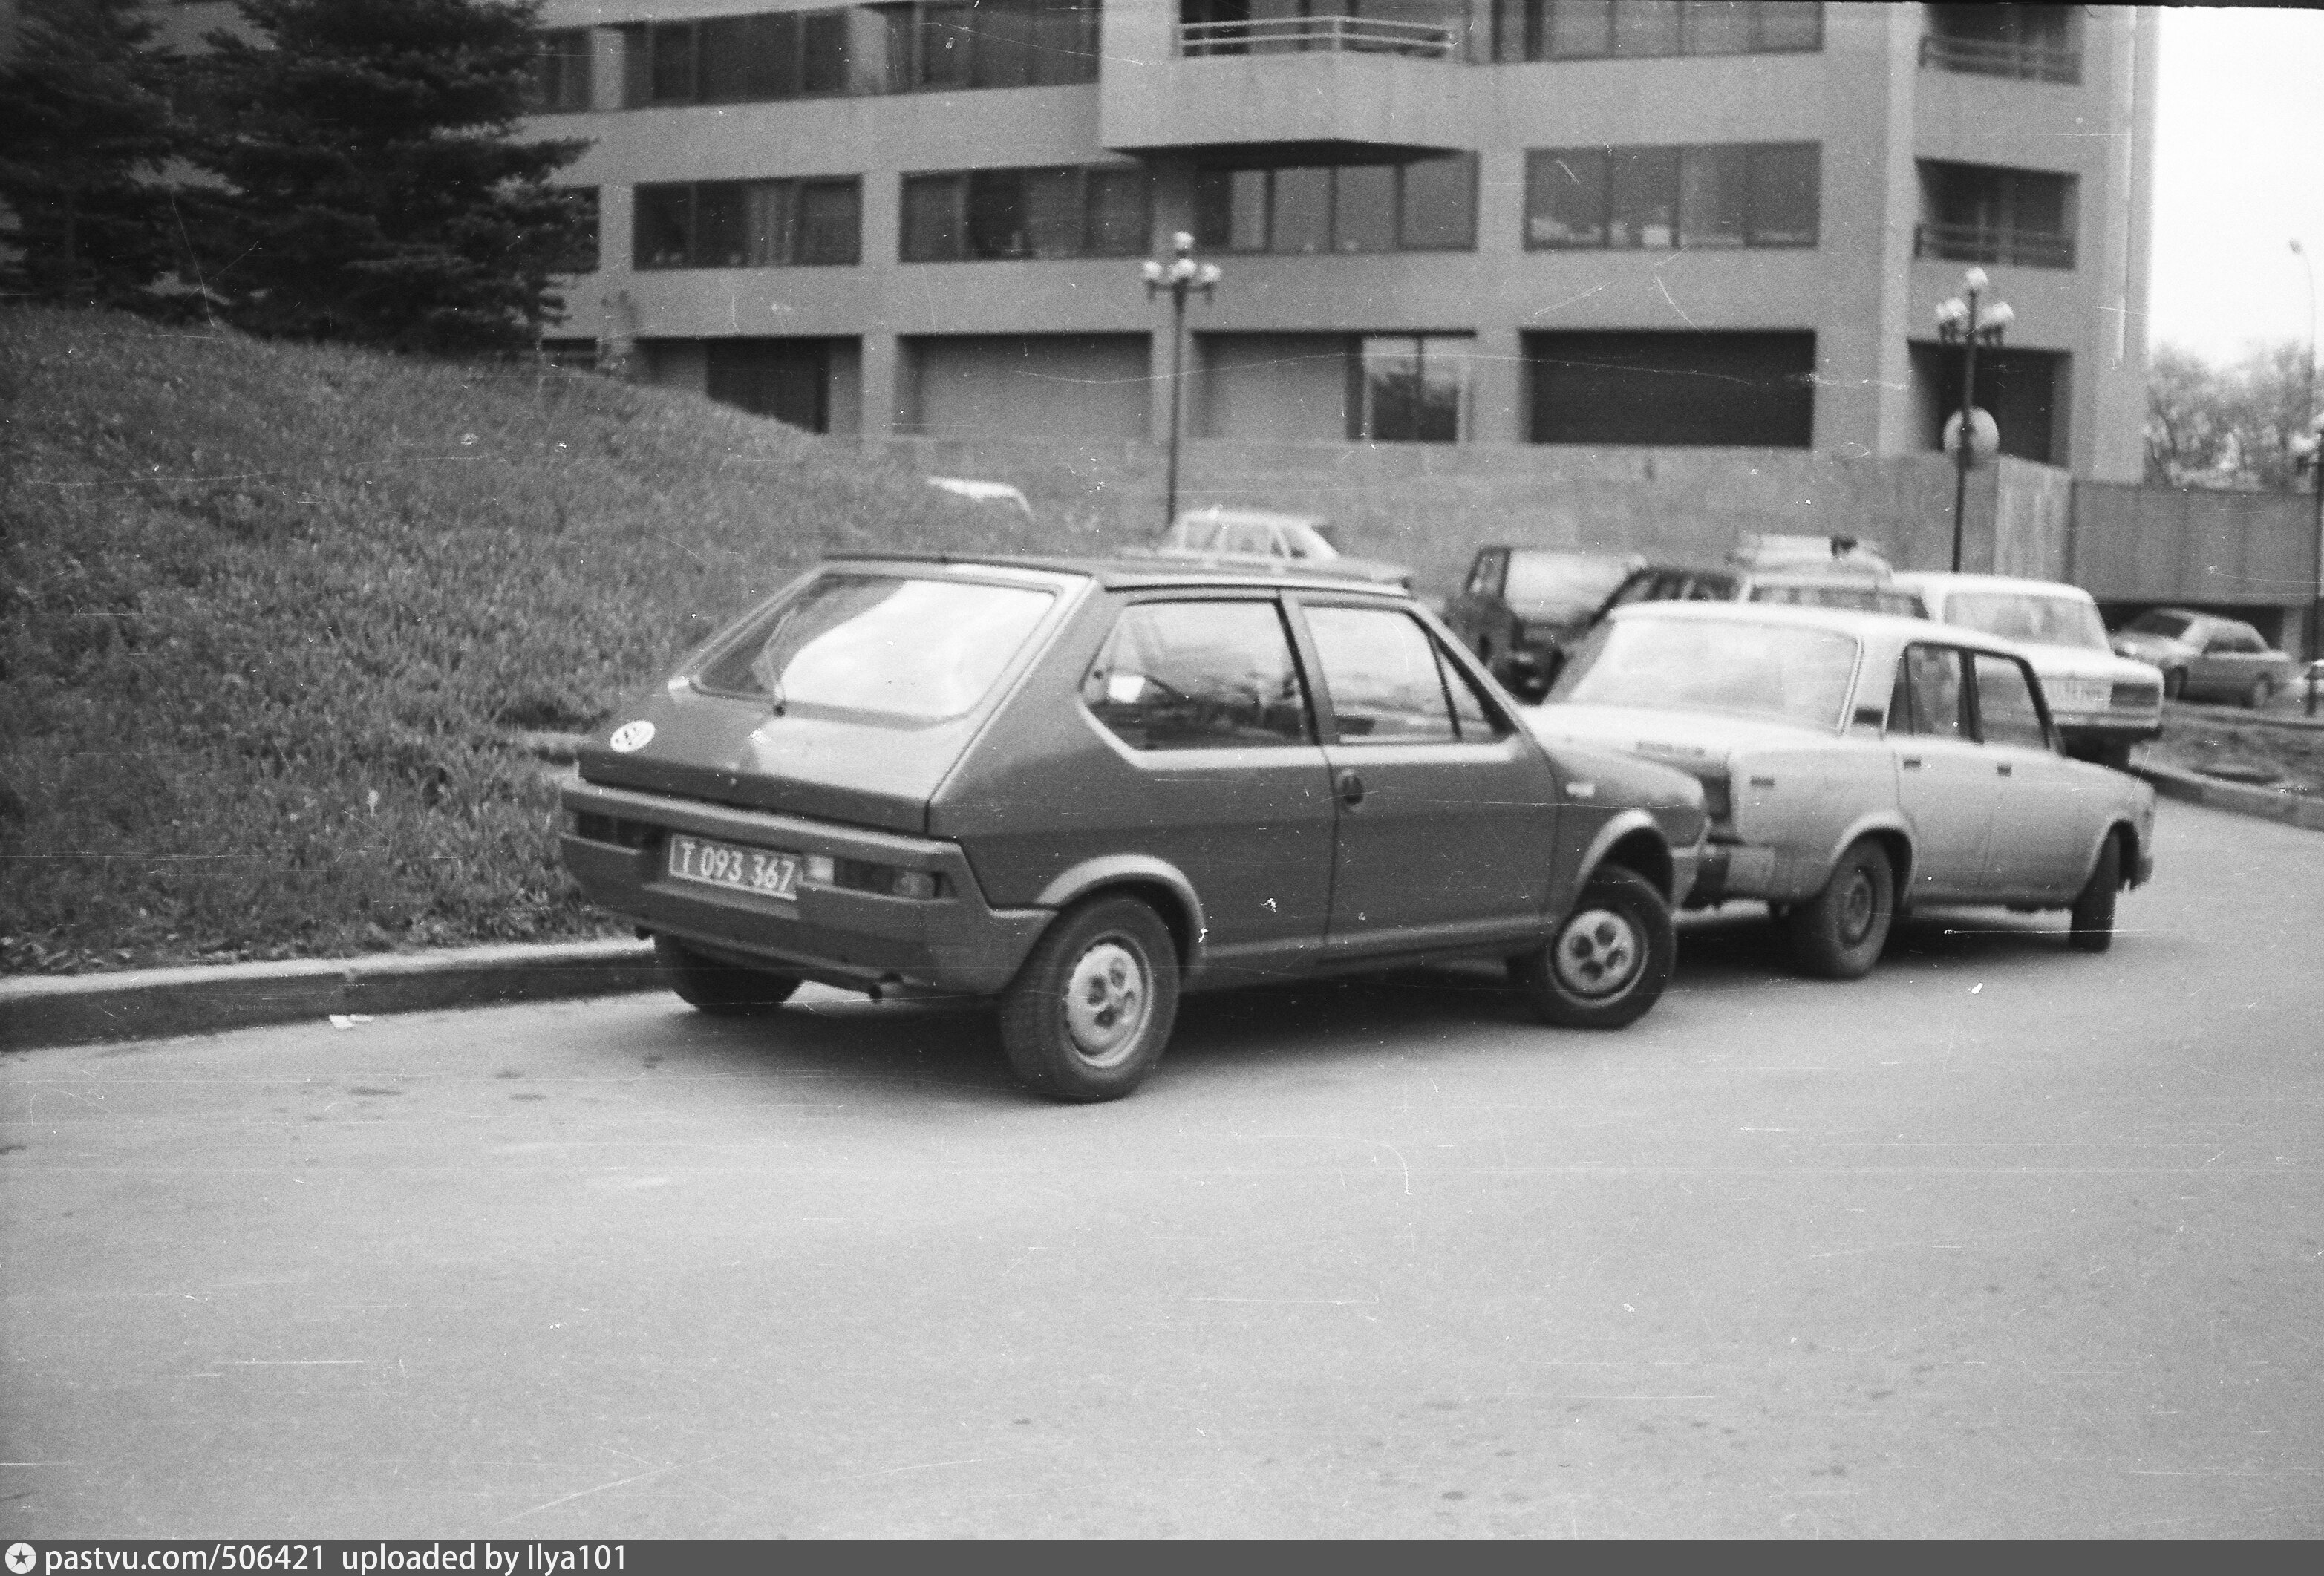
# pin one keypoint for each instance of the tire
(2261, 691)
(721, 990)
(2175, 684)
(1087, 1016)
(1838, 934)
(2090, 927)
(1609, 960)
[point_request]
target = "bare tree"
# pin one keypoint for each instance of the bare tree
(2240, 426)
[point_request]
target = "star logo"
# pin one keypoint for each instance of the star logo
(21, 1558)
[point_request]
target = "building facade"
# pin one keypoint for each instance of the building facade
(1439, 221)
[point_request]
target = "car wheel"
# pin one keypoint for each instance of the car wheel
(2091, 927)
(2174, 683)
(1609, 959)
(1839, 933)
(725, 990)
(1089, 1013)
(2261, 691)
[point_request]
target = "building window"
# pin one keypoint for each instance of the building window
(861, 50)
(749, 224)
(1720, 389)
(579, 255)
(1415, 388)
(1733, 194)
(1424, 205)
(2033, 42)
(563, 68)
(1978, 213)
(988, 215)
(1587, 29)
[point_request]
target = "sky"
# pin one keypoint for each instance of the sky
(2238, 175)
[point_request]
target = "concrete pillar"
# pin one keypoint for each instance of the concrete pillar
(1497, 387)
(882, 395)
(1870, 203)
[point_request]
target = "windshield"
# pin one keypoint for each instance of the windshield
(2169, 625)
(1768, 670)
(1567, 584)
(919, 649)
(2029, 616)
(1311, 541)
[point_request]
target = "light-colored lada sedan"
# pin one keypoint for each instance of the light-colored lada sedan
(1855, 765)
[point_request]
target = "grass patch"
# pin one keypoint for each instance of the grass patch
(2234, 748)
(270, 614)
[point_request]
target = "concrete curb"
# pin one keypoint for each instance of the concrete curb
(2266, 803)
(150, 1003)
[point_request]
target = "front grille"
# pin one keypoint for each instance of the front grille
(615, 830)
(2137, 696)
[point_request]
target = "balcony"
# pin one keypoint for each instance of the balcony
(1986, 243)
(1316, 34)
(1267, 89)
(1988, 58)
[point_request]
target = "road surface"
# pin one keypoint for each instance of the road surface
(2005, 1241)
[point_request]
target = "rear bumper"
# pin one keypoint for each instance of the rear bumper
(2101, 728)
(857, 940)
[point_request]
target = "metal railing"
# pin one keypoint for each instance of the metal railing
(1985, 58)
(1984, 244)
(1316, 34)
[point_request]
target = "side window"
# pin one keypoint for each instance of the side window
(1381, 670)
(1486, 579)
(2005, 712)
(1928, 697)
(1246, 538)
(1474, 717)
(1199, 676)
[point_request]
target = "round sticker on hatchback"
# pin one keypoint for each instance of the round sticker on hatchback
(632, 736)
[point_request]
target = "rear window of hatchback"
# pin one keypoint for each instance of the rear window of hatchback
(891, 646)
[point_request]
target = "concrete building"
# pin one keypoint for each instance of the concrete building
(1483, 222)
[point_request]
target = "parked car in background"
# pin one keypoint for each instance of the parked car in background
(1261, 539)
(999, 494)
(1856, 765)
(1521, 607)
(1803, 571)
(2103, 704)
(1074, 788)
(2205, 657)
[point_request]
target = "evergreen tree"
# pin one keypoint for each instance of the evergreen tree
(377, 192)
(83, 121)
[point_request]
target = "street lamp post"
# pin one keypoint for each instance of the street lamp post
(1967, 323)
(1181, 275)
(2315, 420)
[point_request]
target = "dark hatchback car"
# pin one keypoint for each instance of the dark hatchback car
(1074, 787)
(1521, 608)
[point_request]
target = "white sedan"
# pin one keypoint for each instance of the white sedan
(1857, 764)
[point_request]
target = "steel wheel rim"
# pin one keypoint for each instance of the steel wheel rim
(1108, 1000)
(1857, 907)
(1597, 954)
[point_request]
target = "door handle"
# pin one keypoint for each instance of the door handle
(1912, 763)
(2001, 768)
(1351, 789)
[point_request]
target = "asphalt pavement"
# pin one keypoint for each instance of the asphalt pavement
(2006, 1240)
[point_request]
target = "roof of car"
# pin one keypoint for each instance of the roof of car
(1845, 620)
(1136, 574)
(1219, 511)
(1939, 580)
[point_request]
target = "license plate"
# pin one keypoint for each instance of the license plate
(763, 871)
(2081, 694)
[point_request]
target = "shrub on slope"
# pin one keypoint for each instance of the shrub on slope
(271, 613)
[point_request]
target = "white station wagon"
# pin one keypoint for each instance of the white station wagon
(1857, 764)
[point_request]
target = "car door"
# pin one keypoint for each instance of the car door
(1477, 617)
(1945, 784)
(1206, 699)
(1446, 809)
(2044, 824)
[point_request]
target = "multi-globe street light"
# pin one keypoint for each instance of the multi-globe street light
(1968, 324)
(1180, 277)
